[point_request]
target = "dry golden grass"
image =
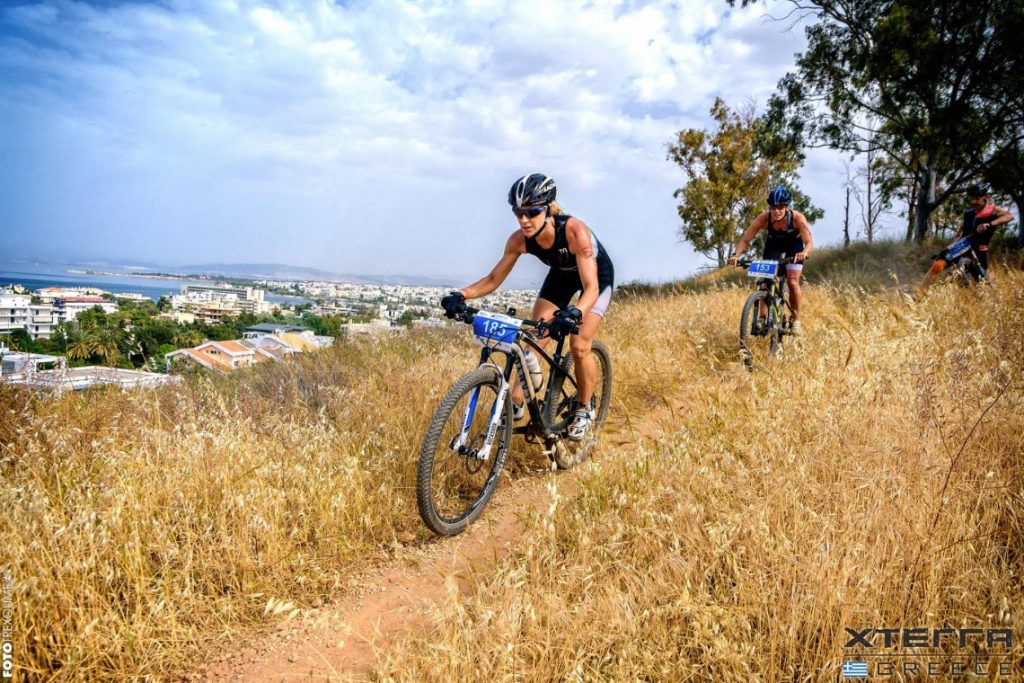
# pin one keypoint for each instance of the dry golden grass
(875, 478)
(837, 486)
(145, 530)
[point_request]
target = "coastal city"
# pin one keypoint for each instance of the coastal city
(74, 337)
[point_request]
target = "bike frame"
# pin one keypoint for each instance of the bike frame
(515, 361)
(774, 289)
(774, 301)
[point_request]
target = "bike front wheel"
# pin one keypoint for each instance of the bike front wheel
(453, 483)
(560, 406)
(964, 272)
(751, 329)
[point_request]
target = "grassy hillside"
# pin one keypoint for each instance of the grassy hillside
(872, 479)
(873, 475)
(874, 267)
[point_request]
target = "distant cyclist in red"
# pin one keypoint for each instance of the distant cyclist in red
(979, 224)
(578, 263)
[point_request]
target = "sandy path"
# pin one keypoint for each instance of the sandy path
(337, 642)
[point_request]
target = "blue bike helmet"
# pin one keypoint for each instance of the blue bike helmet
(780, 196)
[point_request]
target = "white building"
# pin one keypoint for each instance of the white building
(18, 312)
(67, 309)
(244, 299)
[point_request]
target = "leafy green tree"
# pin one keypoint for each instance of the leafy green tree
(80, 344)
(94, 318)
(934, 84)
(1006, 172)
(728, 173)
(107, 346)
(328, 326)
(946, 219)
(154, 333)
(20, 340)
(136, 311)
(187, 337)
(225, 329)
(59, 338)
(412, 314)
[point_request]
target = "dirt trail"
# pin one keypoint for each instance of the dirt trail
(337, 642)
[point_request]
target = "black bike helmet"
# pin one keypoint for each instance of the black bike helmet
(780, 196)
(979, 190)
(531, 190)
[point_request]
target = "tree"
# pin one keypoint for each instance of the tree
(846, 214)
(867, 193)
(1006, 173)
(933, 84)
(20, 340)
(59, 338)
(946, 219)
(728, 173)
(80, 344)
(106, 346)
(187, 337)
(94, 318)
(412, 314)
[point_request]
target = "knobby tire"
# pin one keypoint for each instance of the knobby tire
(481, 477)
(748, 318)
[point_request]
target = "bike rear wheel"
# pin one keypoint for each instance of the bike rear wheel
(560, 406)
(452, 487)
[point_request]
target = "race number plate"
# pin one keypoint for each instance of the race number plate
(958, 248)
(495, 330)
(762, 269)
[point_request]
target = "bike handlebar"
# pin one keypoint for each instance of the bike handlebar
(744, 263)
(469, 312)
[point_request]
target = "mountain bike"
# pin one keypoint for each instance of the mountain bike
(964, 260)
(767, 313)
(467, 441)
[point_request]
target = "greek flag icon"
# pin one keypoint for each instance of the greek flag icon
(855, 669)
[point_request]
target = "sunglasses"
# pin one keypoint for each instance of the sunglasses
(778, 206)
(528, 211)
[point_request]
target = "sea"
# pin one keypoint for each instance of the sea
(36, 275)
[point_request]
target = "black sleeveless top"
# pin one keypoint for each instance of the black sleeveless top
(979, 240)
(559, 258)
(789, 234)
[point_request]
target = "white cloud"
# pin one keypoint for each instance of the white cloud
(384, 134)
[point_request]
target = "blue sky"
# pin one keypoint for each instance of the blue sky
(366, 137)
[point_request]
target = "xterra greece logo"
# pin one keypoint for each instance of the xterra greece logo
(918, 653)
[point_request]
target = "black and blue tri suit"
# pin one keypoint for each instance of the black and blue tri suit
(784, 243)
(563, 280)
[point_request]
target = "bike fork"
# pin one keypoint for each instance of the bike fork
(492, 425)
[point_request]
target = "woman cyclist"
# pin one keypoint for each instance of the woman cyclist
(578, 263)
(980, 222)
(789, 234)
